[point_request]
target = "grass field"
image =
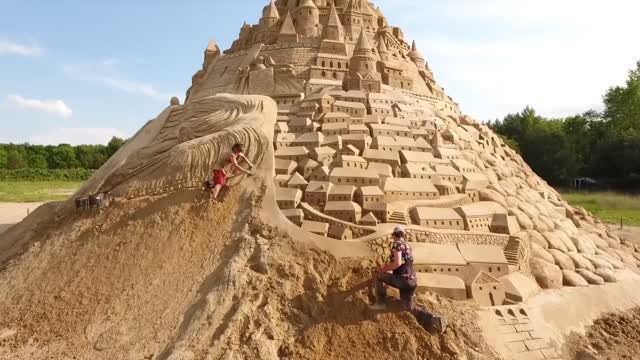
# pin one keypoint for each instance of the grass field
(608, 206)
(36, 191)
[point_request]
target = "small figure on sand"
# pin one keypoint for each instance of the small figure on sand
(226, 168)
(403, 278)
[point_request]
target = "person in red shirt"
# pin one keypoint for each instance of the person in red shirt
(226, 168)
(403, 278)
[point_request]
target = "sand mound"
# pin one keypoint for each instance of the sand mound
(181, 279)
(612, 337)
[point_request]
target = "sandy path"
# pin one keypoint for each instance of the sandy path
(13, 213)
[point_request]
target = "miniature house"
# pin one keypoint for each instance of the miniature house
(484, 258)
(486, 290)
(296, 216)
(288, 198)
(340, 233)
(314, 227)
(437, 218)
(317, 193)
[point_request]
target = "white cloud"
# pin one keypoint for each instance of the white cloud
(77, 136)
(496, 56)
(14, 48)
(106, 74)
(56, 107)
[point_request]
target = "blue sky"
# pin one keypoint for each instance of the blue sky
(83, 71)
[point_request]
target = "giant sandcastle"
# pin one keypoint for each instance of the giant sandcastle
(366, 139)
(352, 136)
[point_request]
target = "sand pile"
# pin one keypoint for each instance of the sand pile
(612, 337)
(179, 277)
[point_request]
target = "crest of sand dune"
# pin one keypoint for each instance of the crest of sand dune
(351, 136)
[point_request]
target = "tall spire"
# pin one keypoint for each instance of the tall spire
(334, 19)
(271, 11)
(334, 29)
(363, 44)
(288, 31)
(415, 55)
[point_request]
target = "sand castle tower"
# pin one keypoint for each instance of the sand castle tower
(363, 73)
(307, 19)
(333, 30)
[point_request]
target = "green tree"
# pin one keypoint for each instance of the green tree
(622, 103)
(15, 160)
(3, 158)
(63, 157)
(516, 126)
(37, 161)
(91, 156)
(114, 145)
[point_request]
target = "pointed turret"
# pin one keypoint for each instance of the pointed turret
(307, 18)
(382, 49)
(333, 30)
(288, 31)
(363, 45)
(363, 74)
(415, 55)
(270, 11)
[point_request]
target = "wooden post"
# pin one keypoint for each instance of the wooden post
(621, 226)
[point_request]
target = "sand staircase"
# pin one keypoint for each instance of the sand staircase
(398, 217)
(513, 251)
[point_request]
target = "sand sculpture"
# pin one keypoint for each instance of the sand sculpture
(366, 138)
(351, 135)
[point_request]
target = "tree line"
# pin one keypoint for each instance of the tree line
(601, 145)
(54, 162)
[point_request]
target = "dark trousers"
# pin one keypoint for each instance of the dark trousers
(407, 292)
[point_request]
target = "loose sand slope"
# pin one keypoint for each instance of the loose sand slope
(180, 279)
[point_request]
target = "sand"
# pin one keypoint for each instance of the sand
(180, 277)
(13, 213)
(629, 232)
(614, 336)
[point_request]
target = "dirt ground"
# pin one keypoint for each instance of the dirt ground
(13, 213)
(628, 232)
(612, 337)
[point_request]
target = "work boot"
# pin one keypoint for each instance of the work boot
(439, 324)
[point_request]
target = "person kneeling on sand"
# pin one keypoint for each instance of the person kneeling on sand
(226, 168)
(403, 278)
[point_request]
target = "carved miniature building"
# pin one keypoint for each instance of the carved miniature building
(487, 290)
(437, 218)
